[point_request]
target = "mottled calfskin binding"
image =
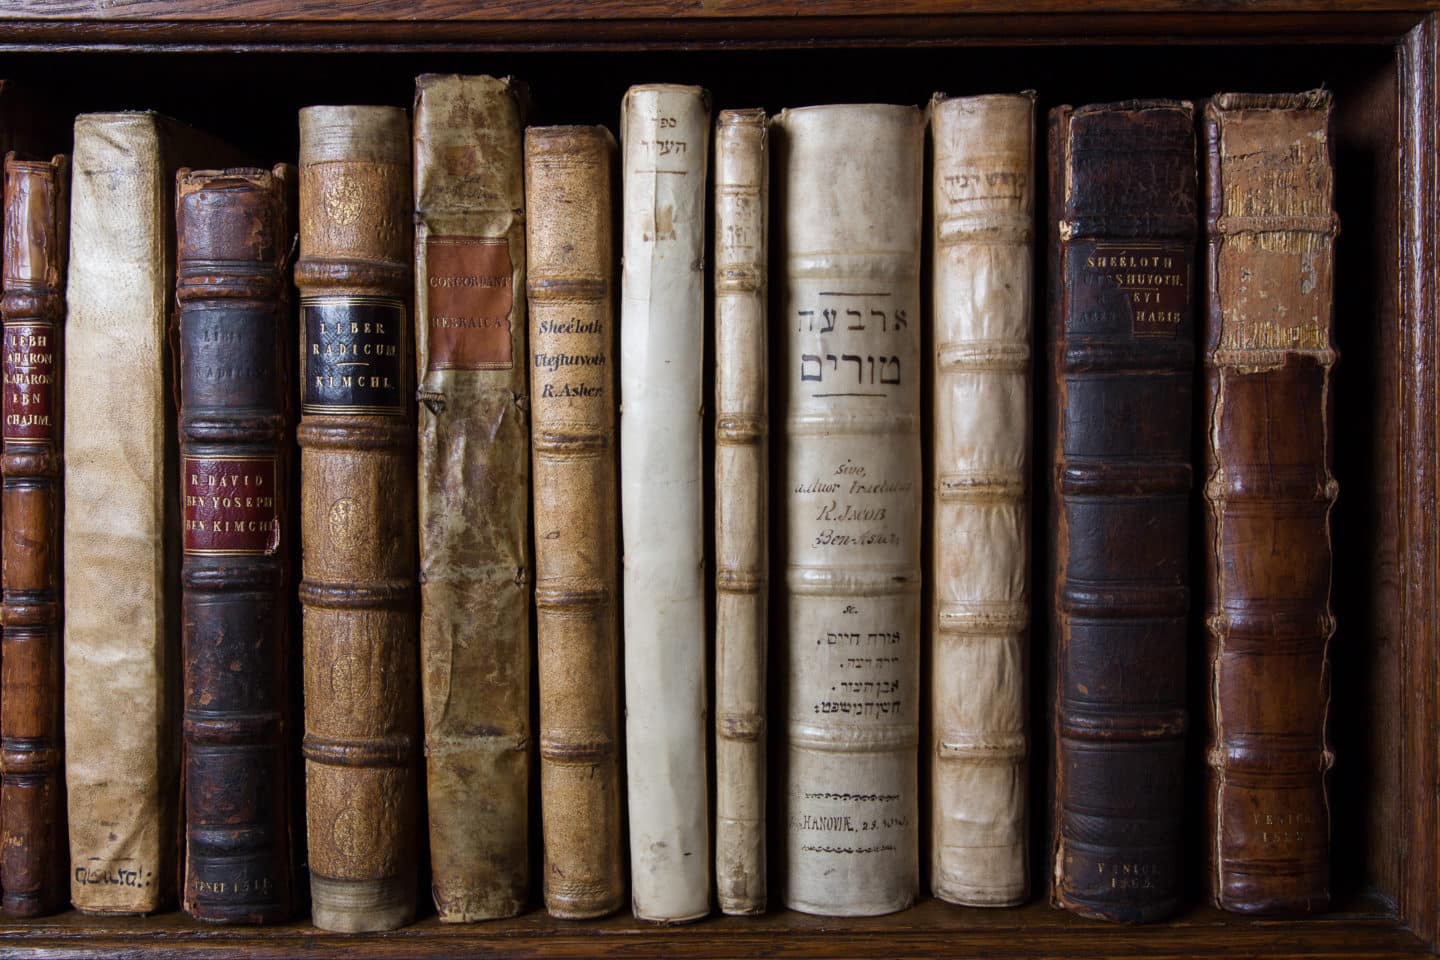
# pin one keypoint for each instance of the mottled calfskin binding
(357, 517)
(1123, 222)
(569, 188)
(233, 230)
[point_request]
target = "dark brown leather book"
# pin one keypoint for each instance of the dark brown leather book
(33, 845)
(1268, 489)
(1122, 341)
(357, 517)
(233, 231)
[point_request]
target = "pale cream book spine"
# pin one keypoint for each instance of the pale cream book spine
(984, 151)
(848, 180)
(474, 491)
(664, 135)
(122, 522)
(741, 497)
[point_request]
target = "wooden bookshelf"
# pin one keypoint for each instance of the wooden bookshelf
(243, 68)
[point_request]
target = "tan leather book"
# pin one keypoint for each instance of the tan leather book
(122, 519)
(984, 196)
(357, 516)
(33, 842)
(665, 133)
(742, 167)
(474, 485)
(1269, 359)
(569, 196)
(848, 181)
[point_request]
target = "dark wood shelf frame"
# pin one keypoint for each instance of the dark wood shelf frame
(247, 64)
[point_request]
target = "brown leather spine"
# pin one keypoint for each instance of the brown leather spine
(1269, 490)
(1122, 336)
(233, 232)
(357, 516)
(569, 177)
(33, 850)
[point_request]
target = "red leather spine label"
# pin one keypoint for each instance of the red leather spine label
(1146, 282)
(469, 295)
(230, 507)
(29, 379)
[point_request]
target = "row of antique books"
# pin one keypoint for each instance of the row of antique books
(444, 461)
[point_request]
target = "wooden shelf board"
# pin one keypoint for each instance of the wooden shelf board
(931, 929)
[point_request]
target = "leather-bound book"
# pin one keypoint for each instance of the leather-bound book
(665, 133)
(122, 516)
(474, 486)
(1123, 222)
(357, 517)
(848, 213)
(1268, 489)
(569, 195)
(742, 167)
(33, 852)
(233, 231)
(984, 196)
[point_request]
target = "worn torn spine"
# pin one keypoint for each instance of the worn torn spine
(1269, 489)
(474, 487)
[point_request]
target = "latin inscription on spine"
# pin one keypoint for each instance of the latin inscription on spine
(230, 507)
(352, 355)
(29, 381)
(469, 297)
(1143, 286)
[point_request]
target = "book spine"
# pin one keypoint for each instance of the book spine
(1269, 490)
(849, 212)
(569, 172)
(33, 853)
(1123, 196)
(357, 516)
(233, 231)
(121, 523)
(474, 492)
(742, 165)
(665, 133)
(984, 195)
